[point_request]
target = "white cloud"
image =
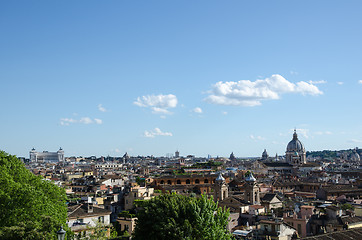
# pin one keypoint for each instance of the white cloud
(67, 121)
(355, 141)
(317, 82)
(293, 73)
(303, 132)
(101, 108)
(83, 120)
(257, 137)
(98, 121)
(360, 81)
(158, 103)
(323, 133)
(156, 132)
(86, 120)
(340, 83)
(248, 93)
(197, 110)
(224, 113)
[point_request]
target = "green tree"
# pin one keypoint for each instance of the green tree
(100, 232)
(140, 181)
(347, 206)
(30, 206)
(181, 217)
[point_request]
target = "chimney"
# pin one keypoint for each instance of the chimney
(90, 208)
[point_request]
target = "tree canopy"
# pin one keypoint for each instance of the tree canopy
(181, 217)
(30, 206)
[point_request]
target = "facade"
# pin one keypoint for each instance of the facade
(334, 191)
(275, 230)
(108, 166)
(300, 220)
(295, 153)
(137, 193)
(201, 184)
(127, 224)
(271, 201)
(45, 156)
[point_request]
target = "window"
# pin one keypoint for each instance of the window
(299, 228)
(206, 181)
(101, 219)
(169, 182)
(197, 181)
(162, 182)
(187, 181)
(178, 181)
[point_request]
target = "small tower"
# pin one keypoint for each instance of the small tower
(252, 194)
(220, 189)
(60, 153)
(33, 157)
(177, 154)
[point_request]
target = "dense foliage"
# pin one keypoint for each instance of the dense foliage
(30, 207)
(325, 154)
(322, 154)
(209, 164)
(181, 217)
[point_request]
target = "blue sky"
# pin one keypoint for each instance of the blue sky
(201, 77)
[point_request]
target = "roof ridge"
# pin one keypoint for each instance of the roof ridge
(80, 205)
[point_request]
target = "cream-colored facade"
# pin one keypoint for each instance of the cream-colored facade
(127, 224)
(137, 193)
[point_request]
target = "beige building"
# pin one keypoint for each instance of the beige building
(127, 224)
(275, 230)
(137, 193)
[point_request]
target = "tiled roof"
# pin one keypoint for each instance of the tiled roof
(81, 211)
(268, 197)
(350, 234)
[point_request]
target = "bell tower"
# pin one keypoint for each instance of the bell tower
(220, 189)
(252, 194)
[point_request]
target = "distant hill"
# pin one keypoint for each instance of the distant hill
(331, 153)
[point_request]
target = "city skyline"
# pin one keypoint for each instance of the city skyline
(205, 77)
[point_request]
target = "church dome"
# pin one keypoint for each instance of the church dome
(295, 145)
(250, 178)
(355, 156)
(220, 178)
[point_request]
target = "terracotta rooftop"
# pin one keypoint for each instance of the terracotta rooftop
(354, 233)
